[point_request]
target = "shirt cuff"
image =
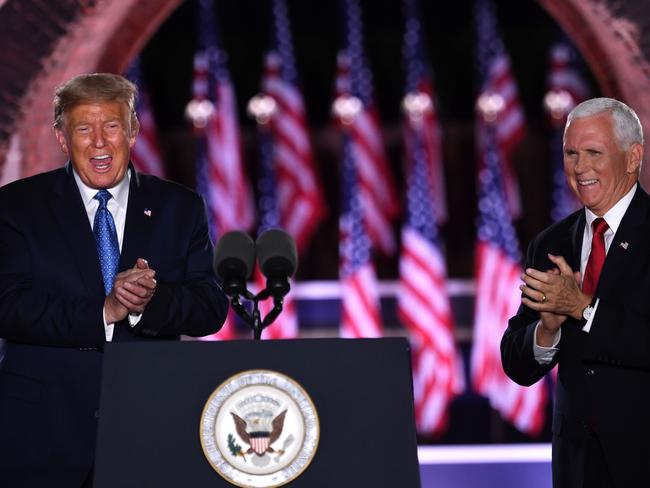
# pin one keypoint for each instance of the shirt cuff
(108, 328)
(134, 318)
(587, 326)
(544, 355)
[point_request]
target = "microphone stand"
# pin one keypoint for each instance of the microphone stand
(254, 318)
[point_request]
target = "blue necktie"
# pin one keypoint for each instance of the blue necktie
(106, 238)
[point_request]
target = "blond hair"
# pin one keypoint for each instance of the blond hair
(94, 87)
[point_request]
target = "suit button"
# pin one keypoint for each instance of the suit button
(590, 372)
(96, 414)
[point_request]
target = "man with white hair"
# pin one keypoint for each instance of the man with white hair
(586, 306)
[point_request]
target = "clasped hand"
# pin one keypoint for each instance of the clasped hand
(555, 294)
(132, 290)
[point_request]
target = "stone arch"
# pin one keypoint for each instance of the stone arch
(80, 36)
(609, 34)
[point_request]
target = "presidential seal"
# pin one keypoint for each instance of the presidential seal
(259, 429)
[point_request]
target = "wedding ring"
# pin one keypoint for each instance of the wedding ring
(543, 297)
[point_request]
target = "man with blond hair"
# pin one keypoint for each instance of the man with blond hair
(90, 253)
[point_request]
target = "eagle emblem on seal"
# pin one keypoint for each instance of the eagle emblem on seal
(258, 434)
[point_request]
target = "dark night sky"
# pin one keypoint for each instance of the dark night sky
(527, 30)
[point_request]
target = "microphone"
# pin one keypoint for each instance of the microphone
(278, 258)
(234, 260)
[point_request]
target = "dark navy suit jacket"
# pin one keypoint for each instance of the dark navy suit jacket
(51, 302)
(603, 383)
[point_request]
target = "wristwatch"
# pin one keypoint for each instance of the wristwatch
(587, 312)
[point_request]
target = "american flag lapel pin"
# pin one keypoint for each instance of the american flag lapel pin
(624, 244)
(147, 212)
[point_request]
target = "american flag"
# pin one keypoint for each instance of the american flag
(145, 154)
(220, 169)
(567, 88)
(290, 194)
(497, 79)
(354, 80)
(423, 304)
(497, 295)
(285, 325)
(564, 73)
(300, 198)
(360, 307)
(419, 81)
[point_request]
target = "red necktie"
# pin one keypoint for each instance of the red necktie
(596, 257)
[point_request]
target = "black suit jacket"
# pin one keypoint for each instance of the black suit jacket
(604, 375)
(51, 302)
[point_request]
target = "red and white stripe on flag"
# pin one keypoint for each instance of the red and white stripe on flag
(497, 299)
(510, 126)
(564, 75)
(424, 308)
(432, 145)
(376, 187)
(146, 154)
(300, 196)
(378, 196)
(360, 305)
(231, 198)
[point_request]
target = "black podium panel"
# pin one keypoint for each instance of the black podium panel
(153, 396)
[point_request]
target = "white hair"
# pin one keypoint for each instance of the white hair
(626, 124)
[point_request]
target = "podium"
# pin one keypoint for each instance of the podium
(154, 395)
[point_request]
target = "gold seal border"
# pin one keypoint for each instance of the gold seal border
(288, 379)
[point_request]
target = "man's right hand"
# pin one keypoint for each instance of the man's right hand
(114, 309)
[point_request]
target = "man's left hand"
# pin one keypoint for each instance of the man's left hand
(136, 294)
(550, 291)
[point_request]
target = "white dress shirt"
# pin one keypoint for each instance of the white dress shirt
(613, 217)
(117, 207)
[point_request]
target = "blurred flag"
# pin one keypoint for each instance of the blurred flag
(566, 88)
(145, 154)
(354, 87)
(220, 173)
(285, 325)
(300, 199)
(498, 85)
(220, 169)
(497, 294)
(498, 267)
(419, 82)
(423, 304)
(360, 306)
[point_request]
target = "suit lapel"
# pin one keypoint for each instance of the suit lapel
(577, 234)
(626, 245)
(69, 211)
(137, 228)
